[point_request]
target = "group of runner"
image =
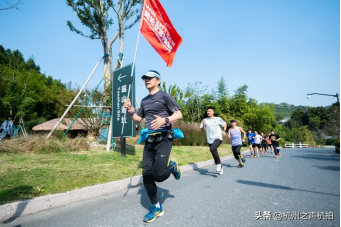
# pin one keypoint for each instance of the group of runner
(160, 110)
(214, 133)
(262, 143)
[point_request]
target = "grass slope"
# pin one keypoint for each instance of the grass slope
(25, 176)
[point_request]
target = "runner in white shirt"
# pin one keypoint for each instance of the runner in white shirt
(257, 139)
(214, 135)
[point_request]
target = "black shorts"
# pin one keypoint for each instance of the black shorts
(236, 151)
(249, 143)
(270, 145)
(256, 145)
(265, 146)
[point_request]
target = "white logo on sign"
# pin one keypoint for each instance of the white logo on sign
(119, 77)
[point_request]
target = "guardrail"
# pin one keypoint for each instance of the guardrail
(299, 145)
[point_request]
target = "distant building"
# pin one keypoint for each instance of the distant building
(283, 121)
(80, 126)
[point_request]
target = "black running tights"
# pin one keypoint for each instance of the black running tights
(214, 150)
(155, 165)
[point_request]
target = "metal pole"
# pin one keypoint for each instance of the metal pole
(74, 100)
(337, 96)
(125, 113)
(110, 125)
(82, 108)
(138, 106)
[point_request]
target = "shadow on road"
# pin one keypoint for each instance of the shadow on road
(131, 179)
(260, 184)
(332, 168)
(24, 192)
(205, 172)
(228, 165)
(162, 195)
(20, 209)
(335, 158)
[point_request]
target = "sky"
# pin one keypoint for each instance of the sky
(281, 49)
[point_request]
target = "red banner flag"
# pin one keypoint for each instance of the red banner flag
(158, 30)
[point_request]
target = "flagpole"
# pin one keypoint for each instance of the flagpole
(130, 84)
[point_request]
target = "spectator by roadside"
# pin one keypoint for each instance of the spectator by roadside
(7, 128)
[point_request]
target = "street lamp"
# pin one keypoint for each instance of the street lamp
(337, 96)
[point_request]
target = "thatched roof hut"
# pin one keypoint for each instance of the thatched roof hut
(64, 125)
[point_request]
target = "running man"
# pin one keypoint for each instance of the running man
(251, 140)
(237, 141)
(213, 125)
(269, 143)
(264, 143)
(257, 138)
(274, 141)
(159, 110)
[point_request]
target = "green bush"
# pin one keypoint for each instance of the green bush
(193, 135)
(30, 124)
(330, 141)
(281, 142)
(337, 143)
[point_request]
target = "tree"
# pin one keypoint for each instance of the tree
(11, 5)
(311, 116)
(193, 95)
(238, 103)
(314, 122)
(94, 14)
(222, 97)
(24, 91)
(174, 91)
(301, 134)
(333, 123)
(222, 88)
(90, 118)
(297, 118)
(262, 120)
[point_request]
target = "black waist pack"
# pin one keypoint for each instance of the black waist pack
(158, 136)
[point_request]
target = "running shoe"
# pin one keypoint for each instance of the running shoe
(276, 156)
(255, 156)
(218, 167)
(242, 158)
(154, 212)
(258, 155)
(177, 170)
(221, 171)
(279, 154)
(251, 155)
(265, 153)
(240, 165)
(272, 152)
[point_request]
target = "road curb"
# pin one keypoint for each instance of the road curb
(31, 206)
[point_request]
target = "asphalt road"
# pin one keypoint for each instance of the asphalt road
(301, 180)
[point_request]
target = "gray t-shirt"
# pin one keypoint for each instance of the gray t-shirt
(161, 104)
(213, 128)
